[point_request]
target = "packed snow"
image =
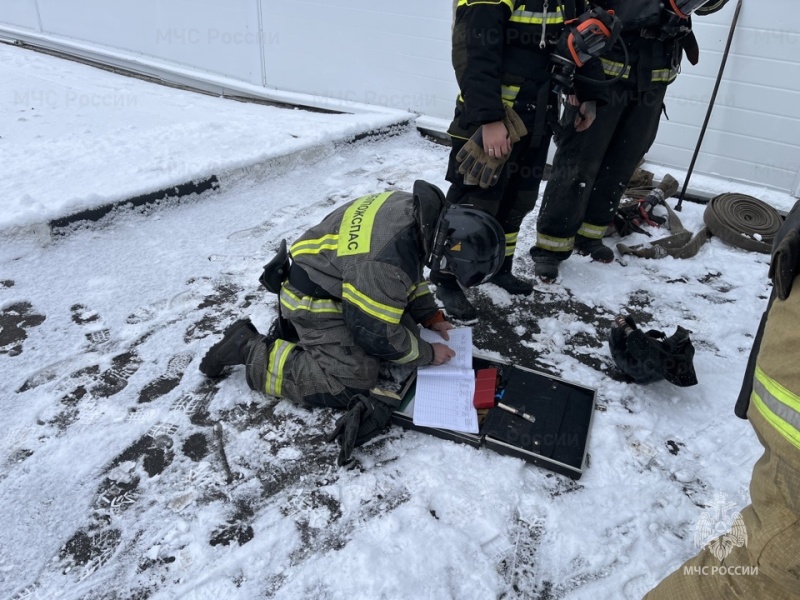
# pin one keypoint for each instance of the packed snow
(125, 474)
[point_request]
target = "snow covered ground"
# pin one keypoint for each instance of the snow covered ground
(112, 479)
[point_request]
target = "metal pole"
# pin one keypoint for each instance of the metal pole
(710, 104)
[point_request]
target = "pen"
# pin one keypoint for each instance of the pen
(517, 412)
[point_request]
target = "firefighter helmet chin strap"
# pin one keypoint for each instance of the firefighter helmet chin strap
(439, 238)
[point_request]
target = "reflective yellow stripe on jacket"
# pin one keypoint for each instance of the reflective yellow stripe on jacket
(663, 75)
(326, 242)
(528, 17)
(779, 406)
(419, 290)
(613, 68)
(508, 94)
(293, 303)
(509, 3)
(384, 312)
(413, 353)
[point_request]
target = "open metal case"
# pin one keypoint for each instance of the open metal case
(556, 434)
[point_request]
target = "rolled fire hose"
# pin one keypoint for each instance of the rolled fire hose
(737, 219)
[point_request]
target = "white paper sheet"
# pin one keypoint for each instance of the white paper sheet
(445, 392)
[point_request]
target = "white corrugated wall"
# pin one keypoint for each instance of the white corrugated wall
(398, 55)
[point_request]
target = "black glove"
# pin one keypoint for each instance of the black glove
(366, 418)
(477, 167)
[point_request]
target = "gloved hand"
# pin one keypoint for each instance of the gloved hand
(478, 167)
(366, 418)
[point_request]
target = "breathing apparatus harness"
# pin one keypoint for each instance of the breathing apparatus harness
(588, 36)
(596, 31)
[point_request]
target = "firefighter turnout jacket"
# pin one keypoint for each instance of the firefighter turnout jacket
(501, 54)
(355, 295)
(369, 256)
(654, 43)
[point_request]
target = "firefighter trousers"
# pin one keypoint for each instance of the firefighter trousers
(768, 565)
(592, 168)
(325, 367)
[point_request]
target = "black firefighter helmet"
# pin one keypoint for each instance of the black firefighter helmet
(652, 356)
(469, 243)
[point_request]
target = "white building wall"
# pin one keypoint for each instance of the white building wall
(362, 51)
(753, 134)
(398, 55)
(21, 13)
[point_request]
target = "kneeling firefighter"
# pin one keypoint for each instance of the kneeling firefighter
(352, 296)
(764, 563)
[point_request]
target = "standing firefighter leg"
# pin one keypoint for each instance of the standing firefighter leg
(577, 163)
(632, 138)
(521, 196)
(493, 199)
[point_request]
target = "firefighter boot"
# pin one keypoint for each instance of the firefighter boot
(545, 263)
(231, 350)
(594, 248)
(505, 279)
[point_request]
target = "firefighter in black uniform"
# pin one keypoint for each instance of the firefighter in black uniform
(502, 59)
(591, 169)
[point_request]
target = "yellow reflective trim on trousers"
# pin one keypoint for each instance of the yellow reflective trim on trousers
(556, 244)
(779, 406)
(508, 3)
(292, 302)
(537, 18)
(384, 312)
(326, 242)
(419, 290)
(595, 232)
(355, 230)
(281, 350)
(413, 354)
(511, 243)
(613, 68)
